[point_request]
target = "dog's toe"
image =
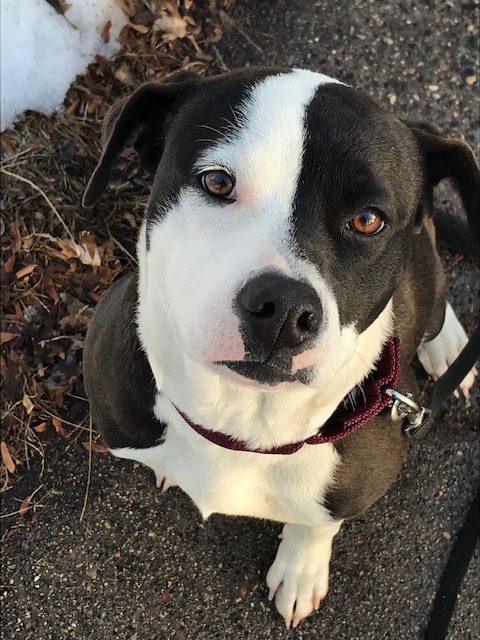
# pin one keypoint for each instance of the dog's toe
(300, 592)
(163, 483)
(298, 578)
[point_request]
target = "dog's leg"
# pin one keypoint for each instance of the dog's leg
(438, 354)
(298, 578)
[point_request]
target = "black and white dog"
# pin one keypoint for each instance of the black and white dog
(288, 250)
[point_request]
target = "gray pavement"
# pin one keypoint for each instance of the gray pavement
(143, 566)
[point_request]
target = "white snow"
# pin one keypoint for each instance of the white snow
(42, 52)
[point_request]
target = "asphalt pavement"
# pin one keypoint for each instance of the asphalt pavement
(143, 566)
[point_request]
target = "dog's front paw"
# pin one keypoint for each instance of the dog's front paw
(438, 354)
(298, 578)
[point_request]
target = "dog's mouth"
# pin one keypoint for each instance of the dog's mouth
(266, 373)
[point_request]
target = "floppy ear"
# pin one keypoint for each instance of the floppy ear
(143, 116)
(451, 158)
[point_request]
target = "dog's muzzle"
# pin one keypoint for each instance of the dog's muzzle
(279, 317)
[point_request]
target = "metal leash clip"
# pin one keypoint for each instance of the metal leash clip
(405, 407)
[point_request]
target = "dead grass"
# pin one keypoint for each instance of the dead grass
(57, 258)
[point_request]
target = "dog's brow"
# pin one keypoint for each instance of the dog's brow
(202, 165)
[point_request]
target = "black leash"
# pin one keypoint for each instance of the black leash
(446, 384)
(418, 419)
(418, 422)
(456, 568)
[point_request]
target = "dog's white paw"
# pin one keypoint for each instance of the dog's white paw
(163, 483)
(438, 354)
(298, 578)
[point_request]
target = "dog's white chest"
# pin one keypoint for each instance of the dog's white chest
(286, 488)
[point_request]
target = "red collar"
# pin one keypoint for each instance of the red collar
(343, 421)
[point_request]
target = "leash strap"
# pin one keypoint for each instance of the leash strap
(468, 535)
(456, 568)
(447, 383)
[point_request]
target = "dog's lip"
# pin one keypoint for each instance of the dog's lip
(259, 371)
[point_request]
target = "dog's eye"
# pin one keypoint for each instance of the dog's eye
(218, 183)
(367, 221)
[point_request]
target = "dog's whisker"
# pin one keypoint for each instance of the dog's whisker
(206, 126)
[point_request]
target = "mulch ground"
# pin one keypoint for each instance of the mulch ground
(57, 258)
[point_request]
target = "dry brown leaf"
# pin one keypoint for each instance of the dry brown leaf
(6, 145)
(71, 110)
(123, 75)
(6, 336)
(57, 423)
(74, 322)
(139, 28)
(7, 457)
(127, 7)
(130, 218)
(170, 23)
(25, 271)
(27, 403)
(69, 248)
(86, 250)
(89, 251)
(18, 311)
(25, 506)
(10, 263)
(97, 447)
(40, 428)
(106, 31)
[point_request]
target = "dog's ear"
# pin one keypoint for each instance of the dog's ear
(451, 158)
(143, 117)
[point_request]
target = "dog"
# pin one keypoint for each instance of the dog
(288, 274)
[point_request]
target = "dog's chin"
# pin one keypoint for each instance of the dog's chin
(262, 375)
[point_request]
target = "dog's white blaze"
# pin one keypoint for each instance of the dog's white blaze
(266, 151)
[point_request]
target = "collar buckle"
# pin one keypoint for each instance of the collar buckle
(405, 407)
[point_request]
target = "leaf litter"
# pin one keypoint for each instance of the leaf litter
(59, 259)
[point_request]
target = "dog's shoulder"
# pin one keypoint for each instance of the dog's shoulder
(370, 460)
(118, 378)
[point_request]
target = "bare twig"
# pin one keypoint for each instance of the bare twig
(23, 511)
(52, 415)
(125, 251)
(220, 59)
(230, 22)
(43, 194)
(89, 474)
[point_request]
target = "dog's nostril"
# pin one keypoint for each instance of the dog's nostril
(308, 321)
(267, 311)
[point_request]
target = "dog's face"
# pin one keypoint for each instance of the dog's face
(278, 225)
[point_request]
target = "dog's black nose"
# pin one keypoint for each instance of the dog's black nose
(278, 313)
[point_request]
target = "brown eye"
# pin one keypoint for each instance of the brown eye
(218, 183)
(368, 221)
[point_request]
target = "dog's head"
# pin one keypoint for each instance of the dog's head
(279, 222)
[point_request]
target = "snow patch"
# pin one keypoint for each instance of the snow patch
(42, 52)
